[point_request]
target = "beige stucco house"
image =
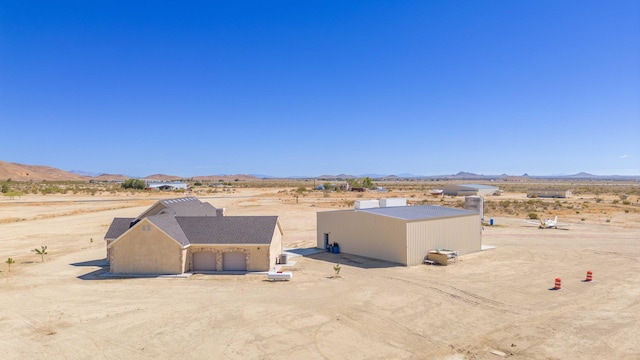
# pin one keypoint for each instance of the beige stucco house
(186, 235)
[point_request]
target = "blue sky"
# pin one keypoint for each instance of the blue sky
(321, 87)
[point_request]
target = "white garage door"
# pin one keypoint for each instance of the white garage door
(204, 261)
(234, 261)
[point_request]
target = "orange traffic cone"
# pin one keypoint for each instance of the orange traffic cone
(589, 277)
(558, 285)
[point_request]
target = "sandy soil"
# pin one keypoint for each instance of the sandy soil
(495, 300)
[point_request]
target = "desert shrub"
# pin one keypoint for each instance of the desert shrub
(51, 189)
(598, 200)
(615, 201)
(134, 184)
(533, 215)
(626, 202)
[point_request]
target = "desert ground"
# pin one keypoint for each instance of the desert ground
(489, 305)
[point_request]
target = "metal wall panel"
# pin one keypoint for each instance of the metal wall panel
(397, 240)
(364, 234)
(462, 234)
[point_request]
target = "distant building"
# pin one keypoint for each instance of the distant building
(166, 185)
(470, 189)
(548, 193)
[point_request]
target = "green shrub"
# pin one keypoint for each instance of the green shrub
(533, 216)
(134, 184)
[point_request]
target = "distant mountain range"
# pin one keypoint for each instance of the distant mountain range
(471, 176)
(22, 172)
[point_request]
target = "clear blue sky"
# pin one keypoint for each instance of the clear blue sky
(321, 87)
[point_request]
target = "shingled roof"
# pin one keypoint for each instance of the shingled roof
(189, 221)
(187, 206)
(229, 229)
(118, 227)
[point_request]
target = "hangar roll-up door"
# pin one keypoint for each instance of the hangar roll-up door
(234, 261)
(204, 261)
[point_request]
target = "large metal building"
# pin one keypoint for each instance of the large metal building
(400, 234)
(549, 193)
(470, 189)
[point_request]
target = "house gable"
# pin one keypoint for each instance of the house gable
(145, 226)
(146, 249)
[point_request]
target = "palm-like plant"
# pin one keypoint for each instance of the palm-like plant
(336, 268)
(9, 262)
(42, 251)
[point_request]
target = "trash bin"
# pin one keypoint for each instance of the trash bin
(491, 222)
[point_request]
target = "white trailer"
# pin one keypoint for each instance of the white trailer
(282, 276)
(393, 202)
(366, 204)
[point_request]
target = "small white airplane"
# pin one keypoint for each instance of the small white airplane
(547, 223)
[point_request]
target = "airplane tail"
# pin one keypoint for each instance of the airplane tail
(556, 219)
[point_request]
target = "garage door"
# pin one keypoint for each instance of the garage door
(234, 261)
(204, 261)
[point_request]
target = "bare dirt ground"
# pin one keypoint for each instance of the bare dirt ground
(494, 300)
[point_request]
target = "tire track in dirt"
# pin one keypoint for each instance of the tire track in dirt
(315, 340)
(462, 295)
(395, 324)
(609, 253)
